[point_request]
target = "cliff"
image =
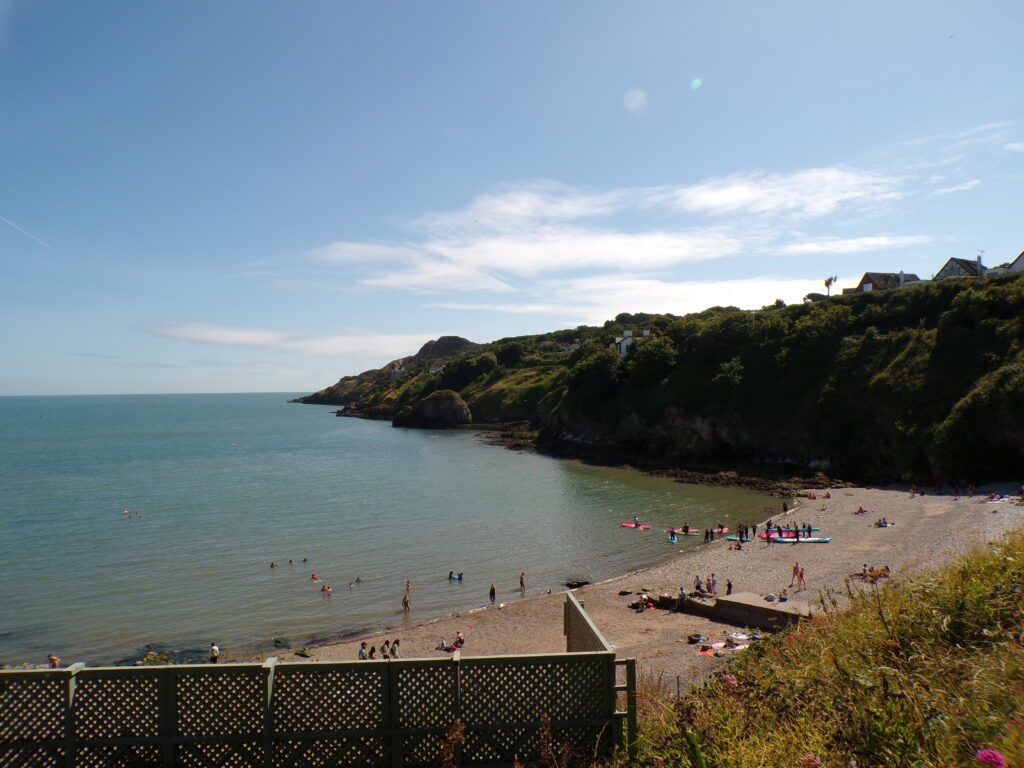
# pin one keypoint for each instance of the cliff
(921, 384)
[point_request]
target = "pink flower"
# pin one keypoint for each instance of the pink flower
(990, 757)
(658, 761)
(731, 680)
(789, 639)
(810, 761)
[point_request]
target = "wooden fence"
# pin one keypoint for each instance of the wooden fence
(358, 713)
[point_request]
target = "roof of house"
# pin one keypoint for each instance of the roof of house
(968, 266)
(1020, 258)
(884, 280)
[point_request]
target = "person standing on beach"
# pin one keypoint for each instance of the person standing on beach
(214, 653)
(53, 661)
(362, 651)
(801, 580)
(796, 574)
(394, 650)
(712, 584)
(385, 650)
(728, 587)
(492, 594)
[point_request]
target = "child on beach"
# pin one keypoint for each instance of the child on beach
(362, 651)
(385, 649)
(394, 649)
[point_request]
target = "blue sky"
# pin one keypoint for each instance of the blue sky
(257, 196)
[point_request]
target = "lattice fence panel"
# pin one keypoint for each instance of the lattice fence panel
(115, 705)
(32, 719)
(335, 752)
(581, 635)
(224, 702)
(134, 756)
(426, 700)
(329, 698)
(519, 691)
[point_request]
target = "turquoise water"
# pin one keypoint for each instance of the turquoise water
(218, 486)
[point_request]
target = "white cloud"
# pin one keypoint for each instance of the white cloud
(634, 100)
(958, 188)
(854, 244)
(348, 252)
(813, 192)
(596, 298)
(1014, 146)
(352, 343)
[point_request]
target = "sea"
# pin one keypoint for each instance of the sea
(130, 523)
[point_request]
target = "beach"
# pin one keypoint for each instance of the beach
(929, 530)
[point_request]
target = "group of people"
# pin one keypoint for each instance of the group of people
(882, 523)
(802, 531)
(389, 650)
(457, 645)
(872, 574)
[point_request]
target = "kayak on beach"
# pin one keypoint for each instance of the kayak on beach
(641, 527)
(695, 531)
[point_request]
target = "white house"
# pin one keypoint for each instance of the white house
(1017, 265)
(623, 342)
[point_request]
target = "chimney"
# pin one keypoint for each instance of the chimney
(901, 278)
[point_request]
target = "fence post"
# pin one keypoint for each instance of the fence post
(631, 708)
(167, 716)
(457, 708)
(268, 714)
(392, 711)
(69, 716)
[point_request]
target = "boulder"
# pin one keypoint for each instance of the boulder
(439, 410)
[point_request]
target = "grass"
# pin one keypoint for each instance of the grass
(919, 673)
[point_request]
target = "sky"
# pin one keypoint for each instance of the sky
(264, 196)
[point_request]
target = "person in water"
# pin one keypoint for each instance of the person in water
(459, 577)
(636, 521)
(522, 581)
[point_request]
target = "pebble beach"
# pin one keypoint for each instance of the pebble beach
(929, 530)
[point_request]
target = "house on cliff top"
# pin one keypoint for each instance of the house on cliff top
(623, 342)
(882, 281)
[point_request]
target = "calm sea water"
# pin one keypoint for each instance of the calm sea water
(218, 486)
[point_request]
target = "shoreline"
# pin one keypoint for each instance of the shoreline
(931, 530)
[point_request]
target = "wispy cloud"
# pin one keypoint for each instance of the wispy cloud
(854, 244)
(813, 192)
(958, 188)
(1014, 146)
(351, 343)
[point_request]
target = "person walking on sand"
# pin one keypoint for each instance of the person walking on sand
(214, 653)
(406, 606)
(796, 574)
(728, 587)
(492, 594)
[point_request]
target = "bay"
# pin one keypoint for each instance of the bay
(218, 486)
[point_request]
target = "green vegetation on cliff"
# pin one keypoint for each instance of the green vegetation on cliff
(924, 383)
(923, 673)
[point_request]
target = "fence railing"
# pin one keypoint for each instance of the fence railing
(355, 713)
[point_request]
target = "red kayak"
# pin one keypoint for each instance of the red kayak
(641, 527)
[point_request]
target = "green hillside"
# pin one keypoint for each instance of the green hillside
(925, 673)
(924, 383)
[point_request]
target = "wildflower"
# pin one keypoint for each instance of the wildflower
(810, 761)
(789, 639)
(990, 757)
(731, 680)
(658, 762)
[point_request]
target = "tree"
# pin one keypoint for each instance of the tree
(829, 282)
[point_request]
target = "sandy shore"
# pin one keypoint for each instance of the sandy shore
(930, 530)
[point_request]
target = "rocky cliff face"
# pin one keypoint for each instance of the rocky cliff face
(439, 410)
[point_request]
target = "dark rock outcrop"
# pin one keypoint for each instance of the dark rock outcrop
(440, 410)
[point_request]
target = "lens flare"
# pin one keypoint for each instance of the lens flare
(695, 84)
